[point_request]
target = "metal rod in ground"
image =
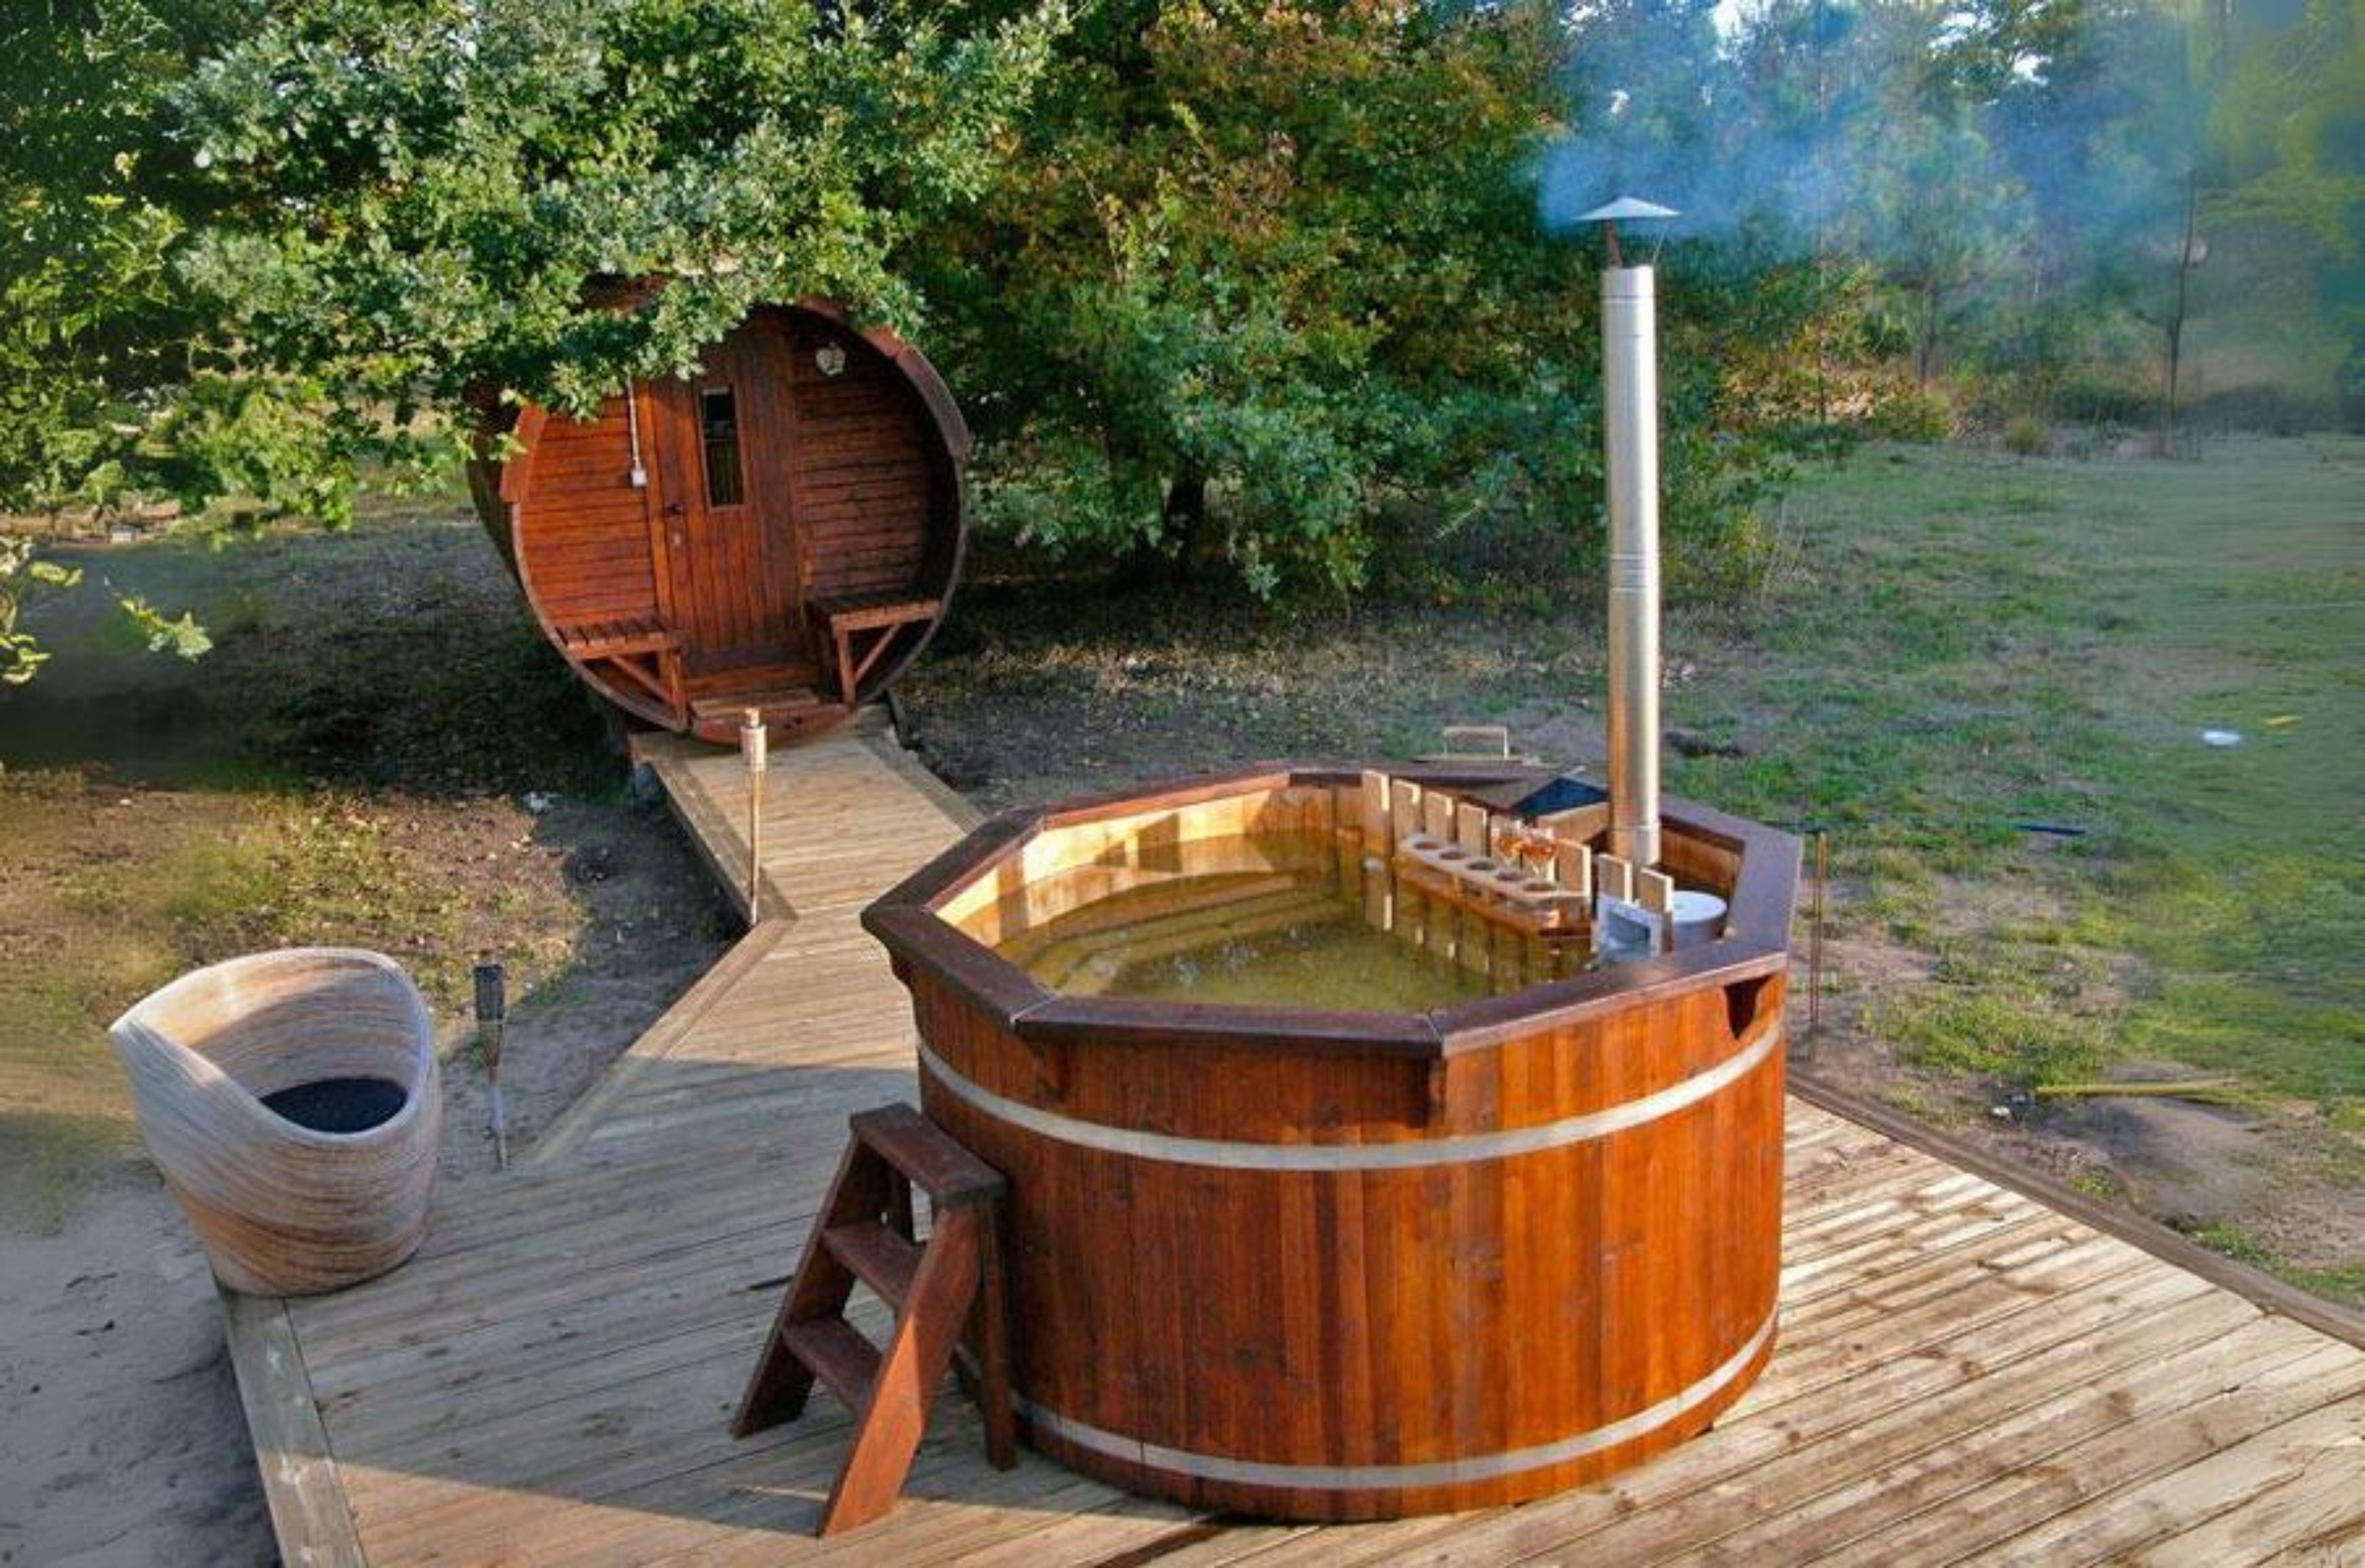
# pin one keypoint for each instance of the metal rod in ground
(1815, 939)
(752, 751)
(492, 1017)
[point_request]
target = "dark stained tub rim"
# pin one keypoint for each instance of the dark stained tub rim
(905, 920)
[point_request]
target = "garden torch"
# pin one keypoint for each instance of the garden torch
(492, 1012)
(752, 750)
(1629, 397)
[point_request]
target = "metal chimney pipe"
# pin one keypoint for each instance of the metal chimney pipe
(1630, 375)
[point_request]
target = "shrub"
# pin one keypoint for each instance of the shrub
(1911, 413)
(2025, 435)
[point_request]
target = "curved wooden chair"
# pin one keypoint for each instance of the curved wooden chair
(330, 1037)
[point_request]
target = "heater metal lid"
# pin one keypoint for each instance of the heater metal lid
(1624, 208)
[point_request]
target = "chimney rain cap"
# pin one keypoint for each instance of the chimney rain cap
(1626, 209)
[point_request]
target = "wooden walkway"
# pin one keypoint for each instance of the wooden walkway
(1964, 1372)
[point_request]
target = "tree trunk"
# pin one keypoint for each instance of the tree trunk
(1925, 359)
(2175, 327)
(1186, 524)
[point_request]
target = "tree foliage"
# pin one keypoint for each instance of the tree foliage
(418, 200)
(92, 319)
(1262, 266)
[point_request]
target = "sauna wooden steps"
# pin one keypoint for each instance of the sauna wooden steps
(938, 1289)
(787, 710)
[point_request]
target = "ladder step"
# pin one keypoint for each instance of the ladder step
(933, 1161)
(836, 1352)
(879, 1257)
(939, 1292)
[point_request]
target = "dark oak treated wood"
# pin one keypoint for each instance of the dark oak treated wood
(882, 616)
(1343, 1265)
(812, 552)
(937, 1292)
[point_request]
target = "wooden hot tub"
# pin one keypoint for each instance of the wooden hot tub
(1348, 1264)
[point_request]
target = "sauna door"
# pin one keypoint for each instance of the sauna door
(730, 530)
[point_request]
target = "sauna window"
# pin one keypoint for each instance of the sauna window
(718, 433)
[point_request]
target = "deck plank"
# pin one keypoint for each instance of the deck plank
(1962, 1370)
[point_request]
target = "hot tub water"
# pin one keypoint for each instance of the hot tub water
(1278, 920)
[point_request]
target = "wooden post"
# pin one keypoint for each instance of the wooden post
(1654, 891)
(1573, 868)
(492, 1014)
(1613, 878)
(1379, 852)
(752, 750)
(1405, 804)
(1375, 810)
(1470, 827)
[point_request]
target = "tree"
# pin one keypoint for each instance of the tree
(88, 306)
(105, 389)
(1257, 267)
(1944, 221)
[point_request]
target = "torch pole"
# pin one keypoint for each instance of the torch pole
(752, 751)
(492, 1014)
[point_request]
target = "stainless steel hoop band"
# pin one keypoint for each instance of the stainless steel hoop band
(1437, 1472)
(1461, 1149)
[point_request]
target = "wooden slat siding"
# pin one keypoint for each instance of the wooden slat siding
(867, 486)
(698, 575)
(734, 565)
(596, 512)
(882, 445)
(742, 676)
(770, 553)
(548, 1380)
(582, 529)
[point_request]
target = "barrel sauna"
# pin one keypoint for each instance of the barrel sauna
(781, 531)
(1350, 1265)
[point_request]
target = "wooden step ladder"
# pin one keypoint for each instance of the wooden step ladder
(938, 1289)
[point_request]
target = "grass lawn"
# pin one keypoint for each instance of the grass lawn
(1952, 644)
(1969, 644)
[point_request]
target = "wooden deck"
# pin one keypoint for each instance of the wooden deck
(1964, 1372)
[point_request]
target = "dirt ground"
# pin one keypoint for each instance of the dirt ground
(121, 1439)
